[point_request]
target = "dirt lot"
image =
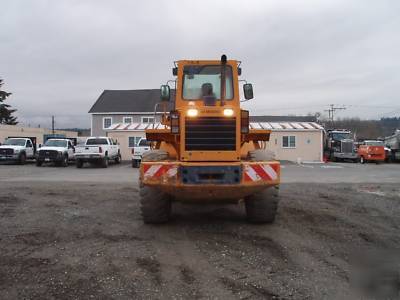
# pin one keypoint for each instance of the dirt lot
(70, 240)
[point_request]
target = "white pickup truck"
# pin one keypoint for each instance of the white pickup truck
(17, 149)
(58, 151)
(138, 151)
(97, 150)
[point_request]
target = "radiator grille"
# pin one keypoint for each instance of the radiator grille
(210, 133)
(48, 153)
(6, 151)
(347, 146)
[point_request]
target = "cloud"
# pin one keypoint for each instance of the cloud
(57, 56)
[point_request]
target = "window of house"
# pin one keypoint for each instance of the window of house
(133, 141)
(147, 119)
(127, 120)
(107, 122)
(289, 141)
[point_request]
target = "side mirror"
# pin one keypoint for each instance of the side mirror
(248, 91)
(165, 93)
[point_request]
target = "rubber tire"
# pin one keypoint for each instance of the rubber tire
(118, 159)
(155, 155)
(261, 155)
(64, 162)
(262, 207)
(362, 160)
(39, 163)
(104, 162)
(22, 158)
(79, 163)
(155, 205)
(135, 163)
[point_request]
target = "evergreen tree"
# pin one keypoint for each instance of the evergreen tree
(6, 112)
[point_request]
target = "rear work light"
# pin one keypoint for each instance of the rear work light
(244, 121)
(174, 116)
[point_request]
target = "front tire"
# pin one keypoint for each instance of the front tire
(154, 205)
(118, 158)
(22, 159)
(64, 162)
(262, 207)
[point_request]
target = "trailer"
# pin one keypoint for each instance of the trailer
(393, 143)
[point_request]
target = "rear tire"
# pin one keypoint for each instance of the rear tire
(261, 155)
(135, 163)
(154, 205)
(79, 163)
(262, 207)
(118, 159)
(104, 162)
(155, 155)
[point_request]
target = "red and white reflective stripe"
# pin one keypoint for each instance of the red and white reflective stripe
(155, 171)
(257, 172)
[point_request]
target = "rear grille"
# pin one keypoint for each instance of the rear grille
(48, 154)
(210, 133)
(6, 151)
(347, 147)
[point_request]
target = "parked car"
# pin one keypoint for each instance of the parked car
(138, 151)
(57, 151)
(17, 149)
(371, 151)
(97, 150)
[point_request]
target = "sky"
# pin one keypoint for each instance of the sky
(56, 57)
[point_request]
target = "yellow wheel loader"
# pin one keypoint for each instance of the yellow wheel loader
(204, 150)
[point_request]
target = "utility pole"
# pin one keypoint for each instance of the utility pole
(331, 111)
(52, 124)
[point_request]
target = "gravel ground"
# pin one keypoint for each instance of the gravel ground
(87, 241)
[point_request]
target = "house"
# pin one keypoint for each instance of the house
(125, 115)
(124, 106)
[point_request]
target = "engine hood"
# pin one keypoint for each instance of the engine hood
(44, 148)
(12, 147)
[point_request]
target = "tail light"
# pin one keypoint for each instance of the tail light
(174, 116)
(100, 150)
(244, 121)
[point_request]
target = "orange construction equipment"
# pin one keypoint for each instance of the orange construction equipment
(205, 150)
(371, 150)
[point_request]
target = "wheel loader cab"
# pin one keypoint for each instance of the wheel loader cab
(206, 150)
(207, 102)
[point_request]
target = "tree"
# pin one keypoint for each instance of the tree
(6, 112)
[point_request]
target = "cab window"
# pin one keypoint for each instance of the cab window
(200, 79)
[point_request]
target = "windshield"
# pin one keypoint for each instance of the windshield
(374, 143)
(97, 142)
(15, 142)
(199, 81)
(56, 143)
(144, 143)
(341, 136)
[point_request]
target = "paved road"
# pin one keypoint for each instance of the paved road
(291, 173)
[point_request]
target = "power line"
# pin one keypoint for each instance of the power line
(332, 109)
